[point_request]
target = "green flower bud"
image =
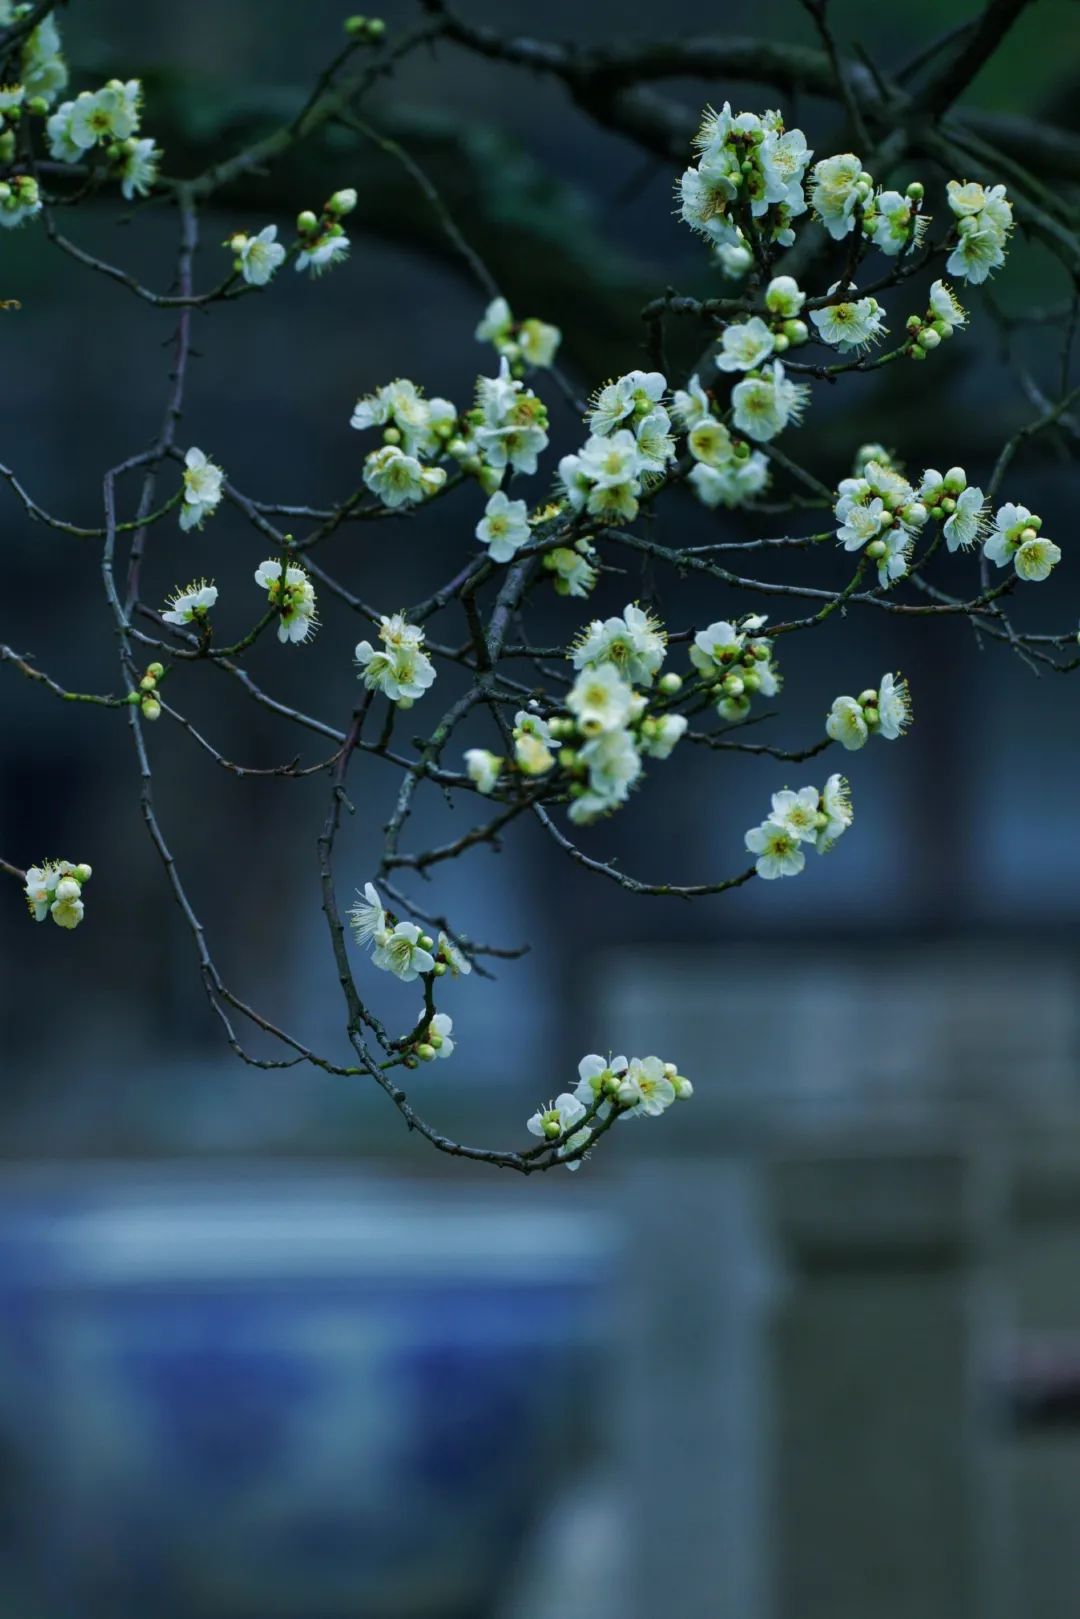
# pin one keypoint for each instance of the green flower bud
(147, 683)
(734, 685)
(151, 708)
(781, 342)
(916, 191)
(955, 481)
(868, 697)
(38, 106)
(871, 716)
(426, 942)
(439, 969)
(84, 872)
(948, 505)
(342, 203)
(155, 669)
(425, 1052)
(930, 339)
(306, 222)
(796, 331)
(552, 1128)
(391, 435)
(917, 353)
(670, 684)
(876, 550)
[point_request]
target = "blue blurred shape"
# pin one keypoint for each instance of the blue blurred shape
(280, 1393)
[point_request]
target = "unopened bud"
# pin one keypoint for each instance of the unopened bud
(306, 222)
(425, 1052)
(670, 684)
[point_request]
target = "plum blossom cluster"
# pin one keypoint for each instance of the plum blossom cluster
(630, 444)
(984, 222)
(797, 818)
(644, 1087)
(405, 950)
(107, 120)
(526, 344)
(884, 711)
(726, 472)
(400, 669)
(322, 240)
(291, 594)
(880, 513)
(845, 198)
(748, 168)
(55, 889)
(735, 665)
(414, 429)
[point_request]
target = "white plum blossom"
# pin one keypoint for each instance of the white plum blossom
(437, 1037)
(839, 186)
(850, 326)
(709, 442)
(553, 1121)
(846, 724)
(626, 400)
(599, 1078)
(796, 812)
(404, 951)
(646, 1089)
(402, 670)
(778, 851)
(893, 707)
(20, 200)
(966, 524)
(731, 485)
(836, 810)
(54, 889)
(691, 404)
(258, 257)
(745, 346)
(1015, 538)
(532, 738)
(614, 764)
(945, 306)
(533, 341)
(203, 484)
(295, 600)
(137, 167)
(455, 961)
(635, 643)
(898, 227)
(504, 527)
(764, 404)
(660, 733)
(573, 567)
(512, 431)
(367, 917)
(399, 479)
(321, 252)
(600, 700)
(783, 296)
(603, 478)
(482, 768)
(190, 604)
(655, 444)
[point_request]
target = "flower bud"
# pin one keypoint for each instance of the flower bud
(342, 203)
(151, 708)
(781, 342)
(916, 191)
(426, 942)
(84, 872)
(155, 669)
(670, 684)
(796, 331)
(876, 550)
(147, 683)
(306, 222)
(67, 888)
(426, 1052)
(391, 435)
(868, 697)
(734, 685)
(930, 339)
(871, 716)
(439, 969)
(552, 1128)
(955, 480)
(38, 106)
(751, 681)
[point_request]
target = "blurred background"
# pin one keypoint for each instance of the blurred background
(810, 1347)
